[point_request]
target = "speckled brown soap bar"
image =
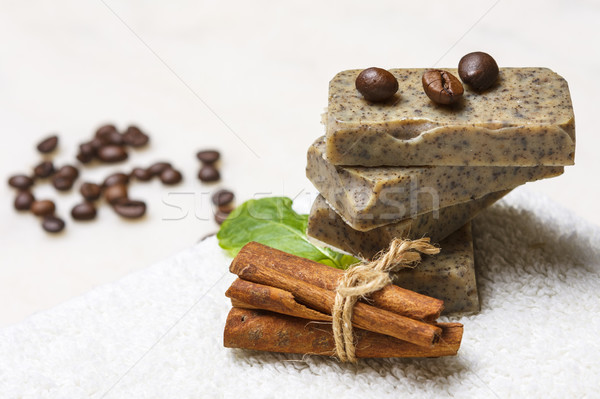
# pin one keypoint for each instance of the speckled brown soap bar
(526, 119)
(367, 198)
(449, 276)
(327, 227)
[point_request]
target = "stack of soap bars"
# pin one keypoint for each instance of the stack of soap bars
(411, 168)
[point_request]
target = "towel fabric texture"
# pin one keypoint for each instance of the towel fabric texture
(157, 333)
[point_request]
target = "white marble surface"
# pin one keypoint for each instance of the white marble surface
(249, 78)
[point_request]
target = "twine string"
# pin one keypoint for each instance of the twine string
(363, 279)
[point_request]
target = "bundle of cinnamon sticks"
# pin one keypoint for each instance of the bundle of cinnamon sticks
(282, 303)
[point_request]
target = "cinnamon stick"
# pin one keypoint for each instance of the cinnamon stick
(392, 298)
(364, 316)
(267, 331)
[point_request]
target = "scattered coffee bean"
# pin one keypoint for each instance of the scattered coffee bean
(208, 173)
(222, 197)
(96, 144)
(112, 153)
(68, 171)
(479, 70)
(134, 137)
(87, 152)
(116, 178)
(23, 200)
(44, 169)
(376, 84)
(157, 168)
(208, 156)
(442, 87)
(141, 174)
(84, 211)
(48, 145)
(53, 224)
(170, 176)
(21, 182)
(115, 193)
(220, 217)
(43, 207)
(62, 183)
(105, 131)
(130, 209)
(90, 191)
(227, 208)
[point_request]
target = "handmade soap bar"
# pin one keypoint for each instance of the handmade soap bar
(526, 119)
(371, 197)
(449, 275)
(327, 227)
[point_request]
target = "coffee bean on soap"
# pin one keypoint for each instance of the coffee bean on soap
(43, 169)
(479, 70)
(208, 156)
(208, 173)
(48, 144)
(130, 209)
(53, 224)
(84, 211)
(134, 137)
(115, 193)
(376, 84)
(24, 200)
(442, 87)
(112, 153)
(68, 171)
(222, 197)
(22, 182)
(43, 207)
(170, 176)
(62, 183)
(220, 217)
(116, 178)
(141, 174)
(90, 191)
(158, 167)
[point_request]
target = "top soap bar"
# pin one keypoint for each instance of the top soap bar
(525, 119)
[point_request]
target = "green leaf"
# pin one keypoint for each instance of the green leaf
(272, 221)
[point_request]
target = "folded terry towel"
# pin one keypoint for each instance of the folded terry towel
(158, 333)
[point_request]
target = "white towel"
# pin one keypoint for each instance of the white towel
(158, 333)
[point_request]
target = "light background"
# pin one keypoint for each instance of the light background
(249, 78)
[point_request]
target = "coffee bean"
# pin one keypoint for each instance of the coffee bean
(170, 176)
(21, 182)
(48, 145)
(115, 193)
(479, 70)
(134, 137)
(208, 156)
(90, 191)
(53, 224)
(105, 131)
(130, 209)
(84, 211)
(222, 197)
(208, 173)
(96, 144)
(116, 178)
(83, 158)
(220, 217)
(227, 208)
(23, 200)
(376, 84)
(43, 207)
(141, 174)
(43, 169)
(62, 183)
(87, 152)
(68, 171)
(112, 153)
(442, 87)
(157, 168)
